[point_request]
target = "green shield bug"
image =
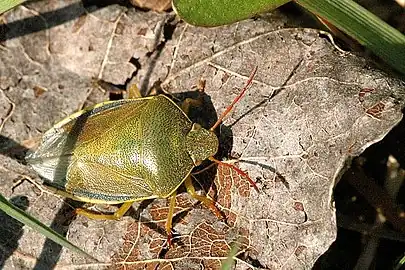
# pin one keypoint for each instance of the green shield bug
(93, 156)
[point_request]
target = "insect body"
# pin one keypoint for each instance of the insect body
(125, 151)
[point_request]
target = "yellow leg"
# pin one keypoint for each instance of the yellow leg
(169, 220)
(208, 202)
(117, 215)
(134, 92)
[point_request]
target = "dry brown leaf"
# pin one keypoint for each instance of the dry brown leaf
(309, 111)
(156, 5)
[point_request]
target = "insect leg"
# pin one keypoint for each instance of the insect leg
(170, 218)
(116, 215)
(208, 202)
(134, 92)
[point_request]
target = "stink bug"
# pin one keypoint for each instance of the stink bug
(94, 157)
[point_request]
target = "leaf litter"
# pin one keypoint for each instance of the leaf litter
(306, 115)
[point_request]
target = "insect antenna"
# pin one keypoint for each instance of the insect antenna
(239, 171)
(230, 107)
(221, 118)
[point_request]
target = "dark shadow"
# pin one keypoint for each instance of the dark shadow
(176, 240)
(12, 149)
(135, 213)
(206, 116)
(52, 18)
(52, 251)
(356, 208)
(257, 106)
(279, 176)
(11, 230)
(342, 253)
(168, 29)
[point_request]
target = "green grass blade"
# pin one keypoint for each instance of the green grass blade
(227, 264)
(26, 219)
(9, 4)
(382, 39)
(400, 263)
(220, 12)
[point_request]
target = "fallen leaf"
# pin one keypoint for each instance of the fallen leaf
(305, 116)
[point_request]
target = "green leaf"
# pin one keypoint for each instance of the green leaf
(26, 219)
(220, 12)
(9, 4)
(385, 41)
(382, 39)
